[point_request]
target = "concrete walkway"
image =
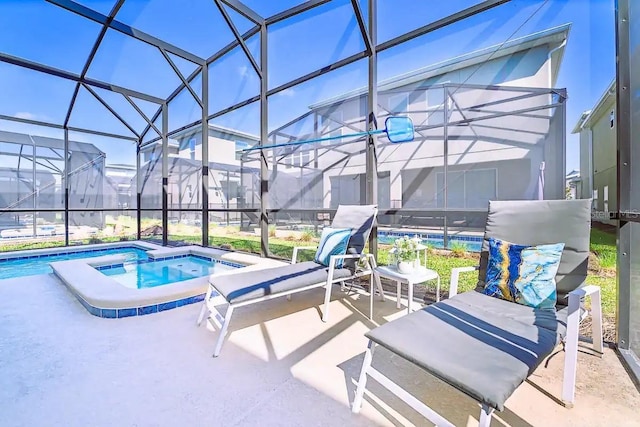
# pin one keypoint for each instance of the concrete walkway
(281, 366)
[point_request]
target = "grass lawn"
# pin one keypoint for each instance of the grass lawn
(602, 263)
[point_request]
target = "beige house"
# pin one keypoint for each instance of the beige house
(491, 115)
(597, 129)
(504, 125)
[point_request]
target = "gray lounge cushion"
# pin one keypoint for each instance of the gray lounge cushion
(484, 346)
(540, 222)
(360, 219)
(254, 284)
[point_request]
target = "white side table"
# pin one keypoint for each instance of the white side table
(419, 275)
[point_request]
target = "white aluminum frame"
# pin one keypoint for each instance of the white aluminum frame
(222, 322)
(570, 362)
(485, 413)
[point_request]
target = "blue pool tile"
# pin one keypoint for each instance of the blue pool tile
(167, 306)
(190, 300)
(84, 303)
(197, 298)
(127, 312)
(109, 313)
(147, 310)
(182, 302)
(94, 310)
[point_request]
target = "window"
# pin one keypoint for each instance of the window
(435, 106)
(240, 145)
(471, 189)
(192, 148)
(297, 159)
(612, 118)
(399, 103)
(331, 126)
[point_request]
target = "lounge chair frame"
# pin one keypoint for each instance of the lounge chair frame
(222, 322)
(575, 315)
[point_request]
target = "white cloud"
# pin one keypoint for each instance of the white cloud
(288, 92)
(243, 71)
(30, 116)
(25, 115)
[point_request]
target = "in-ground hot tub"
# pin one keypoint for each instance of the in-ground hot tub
(110, 296)
(140, 274)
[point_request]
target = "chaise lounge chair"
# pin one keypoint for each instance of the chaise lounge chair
(485, 346)
(250, 287)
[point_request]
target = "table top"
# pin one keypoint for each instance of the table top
(419, 274)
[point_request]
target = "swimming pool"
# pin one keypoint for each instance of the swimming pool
(148, 274)
(30, 265)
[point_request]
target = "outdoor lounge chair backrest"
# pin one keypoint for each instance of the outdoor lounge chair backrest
(361, 220)
(542, 222)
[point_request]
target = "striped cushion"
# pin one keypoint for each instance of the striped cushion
(334, 241)
(523, 274)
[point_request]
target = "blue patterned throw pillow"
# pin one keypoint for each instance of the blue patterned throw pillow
(523, 274)
(333, 241)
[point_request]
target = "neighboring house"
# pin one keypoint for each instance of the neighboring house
(505, 140)
(506, 128)
(230, 185)
(573, 184)
(120, 186)
(36, 183)
(598, 163)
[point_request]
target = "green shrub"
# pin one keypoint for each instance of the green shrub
(307, 236)
(458, 249)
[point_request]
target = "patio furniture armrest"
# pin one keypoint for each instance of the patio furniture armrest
(575, 298)
(369, 258)
(571, 340)
(455, 274)
(294, 257)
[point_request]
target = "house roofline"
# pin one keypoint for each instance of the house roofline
(556, 36)
(589, 116)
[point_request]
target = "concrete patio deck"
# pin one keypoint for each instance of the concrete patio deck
(61, 366)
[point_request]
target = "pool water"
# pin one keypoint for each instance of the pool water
(157, 273)
(30, 265)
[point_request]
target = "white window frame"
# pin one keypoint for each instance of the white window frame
(437, 107)
(192, 151)
(439, 174)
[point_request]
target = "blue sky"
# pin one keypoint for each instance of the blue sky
(38, 31)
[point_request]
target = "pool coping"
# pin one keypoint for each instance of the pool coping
(64, 250)
(105, 297)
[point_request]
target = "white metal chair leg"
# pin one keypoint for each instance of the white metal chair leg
(371, 296)
(327, 299)
(485, 416)
(362, 382)
(571, 352)
(223, 331)
(205, 305)
(327, 293)
(596, 321)
(379, 286)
